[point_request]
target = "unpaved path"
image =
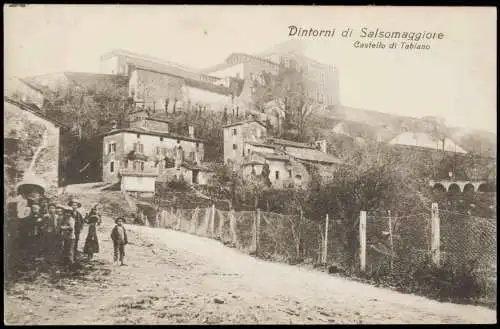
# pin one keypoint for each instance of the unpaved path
(173, 277)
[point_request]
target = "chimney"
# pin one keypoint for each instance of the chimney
(191, 131)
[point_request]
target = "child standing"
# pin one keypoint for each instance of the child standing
(67, 229)
(119, 238)
(92, 243)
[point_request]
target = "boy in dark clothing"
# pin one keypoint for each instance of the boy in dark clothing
(119, 237)
(36, 222)
(79, 221)
(67, 229)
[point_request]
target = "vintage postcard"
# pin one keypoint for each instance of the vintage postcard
(249, 165)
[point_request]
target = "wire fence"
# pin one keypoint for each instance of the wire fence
(396, 245)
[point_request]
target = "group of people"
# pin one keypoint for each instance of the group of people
(52, 231)
(42, 228)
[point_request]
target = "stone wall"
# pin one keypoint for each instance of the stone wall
(36, 145)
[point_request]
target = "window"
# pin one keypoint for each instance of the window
(138, 135)
(248, 152)
(134, 165)
(298, 177)
(112, 166)
(164, 151)
(234, 131)
(235, 146)
(158, 150)
(139, 148)
(142, 166)
(277, 174)
(290, 173)
(111, 147)
(197, 144)
(161, 139)
(126, 163)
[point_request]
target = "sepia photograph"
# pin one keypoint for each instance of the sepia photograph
(242, 164)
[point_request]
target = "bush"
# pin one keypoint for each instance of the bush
(458, 284)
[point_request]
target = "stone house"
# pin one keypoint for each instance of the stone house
(193, 174)
(137, 155)
(235, 136)
(247, 146)
(31, 145)
(164, 86)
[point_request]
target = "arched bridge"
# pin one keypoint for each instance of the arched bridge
(460, 186)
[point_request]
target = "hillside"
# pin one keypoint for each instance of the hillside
(367, 123)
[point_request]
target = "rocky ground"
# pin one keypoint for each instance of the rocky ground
(173, 277)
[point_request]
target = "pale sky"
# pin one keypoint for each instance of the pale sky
(455, 79)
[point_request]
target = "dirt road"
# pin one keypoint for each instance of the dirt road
(174, 277)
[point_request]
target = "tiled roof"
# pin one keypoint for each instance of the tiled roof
(312, 155)
(124, 52)
(243, 122)
(250, 57)
(285, 142)
(425, 140)
(260, 144)
(152, 133)
(272, 156)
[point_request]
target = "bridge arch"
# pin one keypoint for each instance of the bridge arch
(486, 187)
(438, 187)
(469, 188)
(454, 188)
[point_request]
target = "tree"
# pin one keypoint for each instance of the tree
(374, 179)
(90, 109)
(289, 93)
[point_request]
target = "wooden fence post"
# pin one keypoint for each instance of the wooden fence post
(163, 218)
(179, 219)
(325, 242)
(232, 224)
(362, 241)
(390, 239)
(194, 220)
(256, 226)
(212, 221)
(435, 235)
(221, 224)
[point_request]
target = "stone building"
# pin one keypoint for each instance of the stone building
(235, 136)
(31, 145)
(322, 79)
(137, 155)
(164, 86)
(249, 149)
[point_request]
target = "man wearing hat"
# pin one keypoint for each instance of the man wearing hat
(51, 222)
(67, 233)
(119, 238)
(79, 220)
(19, 219)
